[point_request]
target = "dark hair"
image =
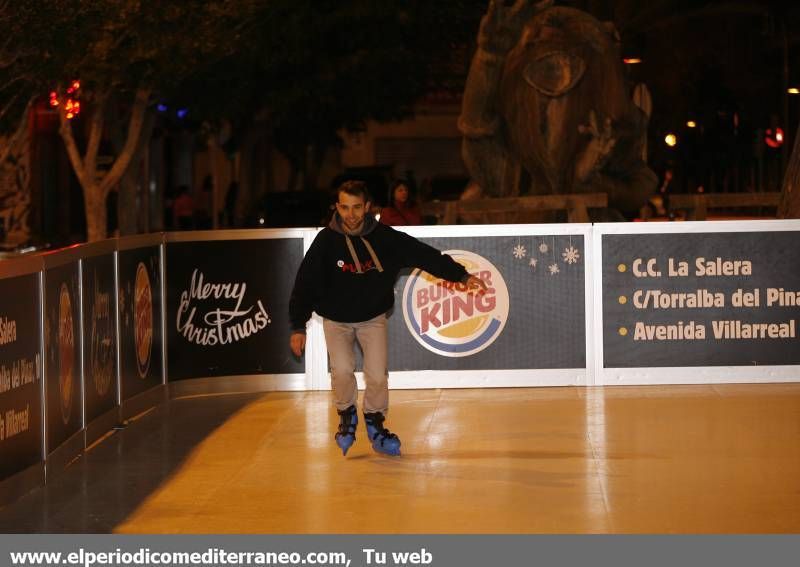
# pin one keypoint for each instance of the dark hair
(355, 188)
(408, 185)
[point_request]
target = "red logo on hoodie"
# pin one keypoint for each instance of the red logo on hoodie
(366, 265)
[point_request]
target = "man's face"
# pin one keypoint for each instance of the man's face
(352, 210)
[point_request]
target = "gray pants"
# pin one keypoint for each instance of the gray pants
(340, 339)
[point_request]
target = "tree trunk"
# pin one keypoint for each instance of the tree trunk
(135, 128)
(95, 206)
(97, 186)
(789, 206)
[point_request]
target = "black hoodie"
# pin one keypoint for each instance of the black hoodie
(350, 278)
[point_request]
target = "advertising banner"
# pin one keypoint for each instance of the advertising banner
(228, 307)
(532, 317)
(20, 375)
(701, 299)
(100, 341)
(140, 320)
(62, 348)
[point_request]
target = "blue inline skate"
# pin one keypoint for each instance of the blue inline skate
(346, 435)
(383, 441)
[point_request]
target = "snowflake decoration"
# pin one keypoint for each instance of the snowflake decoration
(543, 248)
(553, 268)
(533, 262)
(571, 255)
(519, 251)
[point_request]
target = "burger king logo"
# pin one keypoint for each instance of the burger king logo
(66, 351)
(143, 319)
(450, 320)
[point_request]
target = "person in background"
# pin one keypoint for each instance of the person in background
(183, 209)
(169, 208)
(402, 209)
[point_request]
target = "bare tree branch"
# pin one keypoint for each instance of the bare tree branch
(95, 133)
(9, 105)
(72, 148)
(141, 100)
(15, 137)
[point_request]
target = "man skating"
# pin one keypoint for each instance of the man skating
(348, 278)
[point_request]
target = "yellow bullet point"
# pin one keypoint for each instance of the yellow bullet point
(623, 331)
(623, 300)
(622, 267)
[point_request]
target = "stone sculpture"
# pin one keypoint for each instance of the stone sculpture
(547, 109)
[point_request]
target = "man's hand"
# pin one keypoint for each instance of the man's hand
(297, 342)
(474, 283)
(599, 148)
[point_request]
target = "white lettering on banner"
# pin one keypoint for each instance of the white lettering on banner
(101, 351)
(782, 298)
(659, 299)
(678, 332)
(648, 267)
(16, 422)
(22, 372)
(219, 325)
(735, 329)
(27, 374)
(731, 329)
(720, 267)
(375, 557)
(8, 331)
(211, 556)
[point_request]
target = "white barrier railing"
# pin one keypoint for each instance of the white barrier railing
(93, 334)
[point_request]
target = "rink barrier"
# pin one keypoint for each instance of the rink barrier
(110, 321)
(771, 250)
